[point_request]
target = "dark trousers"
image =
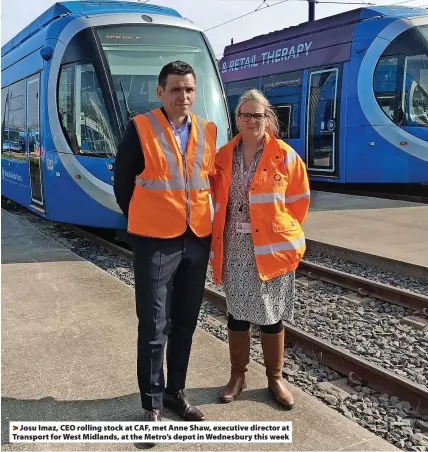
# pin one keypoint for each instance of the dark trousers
(169, 286)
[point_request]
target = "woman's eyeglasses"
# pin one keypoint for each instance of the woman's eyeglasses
(258, 117)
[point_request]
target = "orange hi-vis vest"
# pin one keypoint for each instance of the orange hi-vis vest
(278, 202)
(173, 191)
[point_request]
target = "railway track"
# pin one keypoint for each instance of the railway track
(380, 263)
(362, 286)
(358, 369)
(365, 287)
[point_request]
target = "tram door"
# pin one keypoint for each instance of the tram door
(321, 122)
(34, 140)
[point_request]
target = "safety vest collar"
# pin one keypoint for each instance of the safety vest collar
(272, 155)
(224, 159)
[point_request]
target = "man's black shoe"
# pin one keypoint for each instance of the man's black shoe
(150, 416)
(178, 403)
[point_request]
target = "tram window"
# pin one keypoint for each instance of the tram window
(284, 114)
(284, 92)
(93, 130)
(401, 78)
(233, 119)
(288, 79)
(385, 82)
(415, 91)
(66, 105)
(232, 107)
(82, 112)
(136, 54)
(17, 133)
(5, 121)
(239, 88)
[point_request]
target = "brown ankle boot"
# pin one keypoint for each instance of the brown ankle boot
(273, 352)
(239, 348)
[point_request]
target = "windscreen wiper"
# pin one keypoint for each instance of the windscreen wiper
(130, 112)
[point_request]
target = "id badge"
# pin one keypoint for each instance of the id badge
(243, 228)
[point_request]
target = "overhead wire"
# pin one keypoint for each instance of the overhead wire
(402, 3)
(259, 8)
(408, 1)
(344, 3)
(247, 14)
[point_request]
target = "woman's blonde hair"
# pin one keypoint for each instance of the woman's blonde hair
(272, 123)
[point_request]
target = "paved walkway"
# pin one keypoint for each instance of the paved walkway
(68, 343)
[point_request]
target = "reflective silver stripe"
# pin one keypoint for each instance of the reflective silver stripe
(291, 155)
(281, 246)
(156, 184)
(177, 180)
(197, 181)
(211, 207)
(211, 254)
(216, 207)
(294, 198)
(267, 198)
(276, 197)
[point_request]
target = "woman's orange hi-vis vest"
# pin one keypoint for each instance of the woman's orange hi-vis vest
(278, 201)
(173, 190)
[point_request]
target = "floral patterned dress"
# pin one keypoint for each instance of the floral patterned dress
(247, 296)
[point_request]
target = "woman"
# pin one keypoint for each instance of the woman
(261, 196)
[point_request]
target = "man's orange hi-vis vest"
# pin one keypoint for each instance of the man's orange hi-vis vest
(173, 190)
(278, 201)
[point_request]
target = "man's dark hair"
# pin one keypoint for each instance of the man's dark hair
(176, 68)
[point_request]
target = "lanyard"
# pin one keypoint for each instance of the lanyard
(245, 180)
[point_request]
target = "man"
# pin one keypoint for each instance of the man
(161, 185)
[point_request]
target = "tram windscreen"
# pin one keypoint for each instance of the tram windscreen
(401, 78)
(137, 53)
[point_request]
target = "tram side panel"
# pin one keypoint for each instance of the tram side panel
(370, 158)
(377, 149)
(15, 171)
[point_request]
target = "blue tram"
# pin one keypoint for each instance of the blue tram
(350, 90)
(69, 83)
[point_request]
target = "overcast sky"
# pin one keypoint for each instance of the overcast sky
(16, 14)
